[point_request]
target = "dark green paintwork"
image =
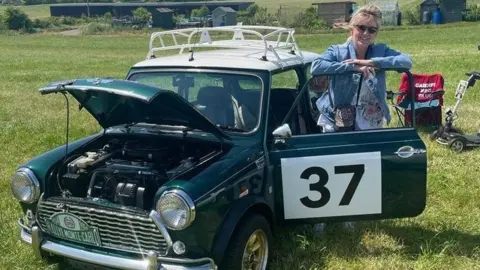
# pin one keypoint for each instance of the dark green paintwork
(115, 102)
(121, 87)
(404, 181)
(254, 160)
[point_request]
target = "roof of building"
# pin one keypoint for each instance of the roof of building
(225, 9)
(164, 10)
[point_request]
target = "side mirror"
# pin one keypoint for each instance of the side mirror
(282, 132)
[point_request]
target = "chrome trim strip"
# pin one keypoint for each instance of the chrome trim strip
(149, 263)
(37, 239)
(23, 226)
(26, 236)
(186, 199)
(163, 230)
(408, 151)
(95, 258)
(94, 213)
(152, 260)
(31, 176)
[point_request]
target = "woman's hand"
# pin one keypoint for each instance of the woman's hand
(366, 70)
(360, 62)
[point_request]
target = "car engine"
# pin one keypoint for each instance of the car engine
(128, 173)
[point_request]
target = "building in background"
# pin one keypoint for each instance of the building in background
(224, 16)
(120, 9)
(390, 11)
(452, 10)
(335, 11)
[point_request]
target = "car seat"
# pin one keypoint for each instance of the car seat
(220, 107)
(216, 104)
(428, 99)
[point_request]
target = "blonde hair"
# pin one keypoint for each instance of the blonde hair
(368, 11)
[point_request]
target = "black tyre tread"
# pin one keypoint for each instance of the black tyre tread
(461, 140)
(242, 232)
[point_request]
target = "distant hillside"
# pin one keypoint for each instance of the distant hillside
(39, 11)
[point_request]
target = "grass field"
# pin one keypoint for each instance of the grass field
(445, 236)
(33, 12)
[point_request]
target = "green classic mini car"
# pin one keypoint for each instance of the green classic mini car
(202, 154)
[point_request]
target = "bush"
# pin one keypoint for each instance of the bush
(3, 26)
(307, 19)
(412, 16)
(200, 12)
(255, 15)
(472, 14)
(16, 19)
(141, 17)
(95, 28)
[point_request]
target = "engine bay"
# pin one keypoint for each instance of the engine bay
(129, 172)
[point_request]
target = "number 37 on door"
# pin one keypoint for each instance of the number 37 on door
(332, 185)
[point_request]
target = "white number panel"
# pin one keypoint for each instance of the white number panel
(332, 185)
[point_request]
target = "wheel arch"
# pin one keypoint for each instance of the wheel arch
(236, 216)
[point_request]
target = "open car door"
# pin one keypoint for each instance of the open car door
(347, 176)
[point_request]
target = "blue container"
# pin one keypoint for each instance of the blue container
(437, 17)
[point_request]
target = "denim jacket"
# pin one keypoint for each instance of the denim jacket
(344, 84)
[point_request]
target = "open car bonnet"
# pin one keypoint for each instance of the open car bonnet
(115, 102)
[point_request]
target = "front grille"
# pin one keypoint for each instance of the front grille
(119, 231)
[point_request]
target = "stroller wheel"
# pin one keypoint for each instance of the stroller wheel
(458, 144)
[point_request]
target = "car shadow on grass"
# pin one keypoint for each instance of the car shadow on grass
(307, 247)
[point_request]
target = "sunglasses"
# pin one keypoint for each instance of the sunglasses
(362, 28)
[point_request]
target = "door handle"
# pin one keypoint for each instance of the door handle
(408, 151)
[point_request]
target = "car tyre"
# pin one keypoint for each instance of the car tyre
(251, 244)
(458, 144)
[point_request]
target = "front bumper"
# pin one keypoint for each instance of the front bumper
(41, 245)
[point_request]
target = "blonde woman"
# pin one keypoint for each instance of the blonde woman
(359, 53)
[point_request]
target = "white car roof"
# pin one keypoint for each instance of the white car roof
(240, 51)
(232, 58)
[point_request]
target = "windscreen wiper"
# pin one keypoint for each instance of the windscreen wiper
(230, 128)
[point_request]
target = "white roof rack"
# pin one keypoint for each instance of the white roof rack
(238, 40)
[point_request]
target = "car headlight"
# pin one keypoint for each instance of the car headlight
(176, 209)
(25, 186)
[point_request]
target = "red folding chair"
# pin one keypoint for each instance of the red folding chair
(428, 91)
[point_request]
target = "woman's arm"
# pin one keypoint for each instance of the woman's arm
(392, 59)
(327, 63)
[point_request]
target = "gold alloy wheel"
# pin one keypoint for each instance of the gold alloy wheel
(255, 254)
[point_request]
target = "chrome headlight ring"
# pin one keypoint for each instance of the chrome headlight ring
(25, 186)
(176, 209)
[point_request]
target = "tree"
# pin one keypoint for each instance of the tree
(200, 12)
(141, 15)
(16, 19)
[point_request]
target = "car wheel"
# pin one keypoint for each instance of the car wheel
(458, 144)
(250, 246)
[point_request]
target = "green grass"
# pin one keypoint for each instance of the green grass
(445, 236)
(33, 12)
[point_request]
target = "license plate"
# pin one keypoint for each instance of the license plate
(70, 227)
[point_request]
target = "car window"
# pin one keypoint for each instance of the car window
(286, 80)
(231, 101)
(363, 107)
